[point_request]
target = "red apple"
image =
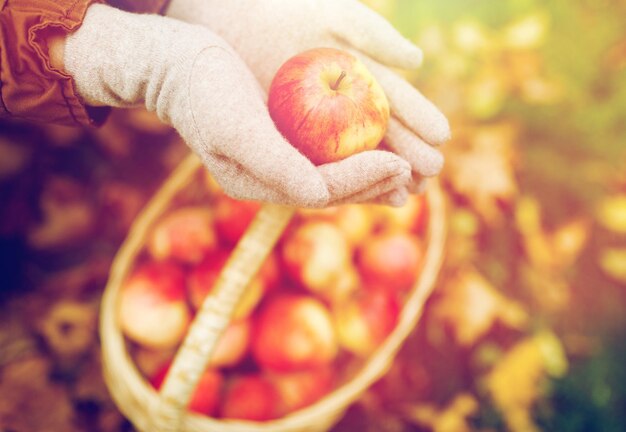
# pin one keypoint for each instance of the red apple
(186, 234)
(355, 221)
(316, 255)
(328, 105)
(206, 396)
(391, 260)
(202, 278)
(149, 360)
(293, 332)
(364, 322)
(250, 397)
(153, 305)
(232, 217)
(269, 273)
(233, 344)
(344, 286)
(300, 389)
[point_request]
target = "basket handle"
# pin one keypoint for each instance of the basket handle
(216, 311)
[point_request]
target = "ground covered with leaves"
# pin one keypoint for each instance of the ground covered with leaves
(527, 327)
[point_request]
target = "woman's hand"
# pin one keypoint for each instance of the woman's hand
(267, 32)
(197, 83)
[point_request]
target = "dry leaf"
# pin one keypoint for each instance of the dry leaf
(470, 305)
(452, 418)
(14, 157)
(611, 213)
(69, 328)
(481, 169)
(551, 251)
(30, 402)
(80, 281)
(527, 32)
(119, 205)
(68, 215)
(514, 383)
(613, 262)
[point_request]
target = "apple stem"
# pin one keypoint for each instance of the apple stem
(341, 77)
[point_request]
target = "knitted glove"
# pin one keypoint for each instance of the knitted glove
(268, 32)
(196, 82)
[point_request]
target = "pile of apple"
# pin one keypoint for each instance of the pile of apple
(326, 298)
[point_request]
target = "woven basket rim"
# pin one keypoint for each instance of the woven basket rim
(138, 401)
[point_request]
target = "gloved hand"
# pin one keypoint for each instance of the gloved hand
(197, 83)
(267, 32)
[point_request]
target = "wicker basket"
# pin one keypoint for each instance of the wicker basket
(149, 411)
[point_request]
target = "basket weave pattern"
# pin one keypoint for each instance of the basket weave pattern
(152, 412)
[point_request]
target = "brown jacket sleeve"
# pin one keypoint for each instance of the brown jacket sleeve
(30, 88)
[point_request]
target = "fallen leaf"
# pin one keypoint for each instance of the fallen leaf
(613, 262)
(470, 305)
(550, 251)
(29, 401)
(515, 382)
(452, 418)
(611, 213)
(69, 328)
(526, 32)
(14, 158)
(480, 168)
(68, 215)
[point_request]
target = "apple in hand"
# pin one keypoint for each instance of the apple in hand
(153, 305)
(328, 105)
(293, 332)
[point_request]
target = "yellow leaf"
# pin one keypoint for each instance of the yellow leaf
(452, 418)
(541, 91)
(569, 240)
(470, 36)
(470, 305)
(486, 94)
(479, 166)
(515, 382)
(613, 262)
(527, 32)
(549, 251)
(612, 213)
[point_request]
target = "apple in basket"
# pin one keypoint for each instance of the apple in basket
(202, 278)
(293, 332)
(206, 396)
(232, 217)
(302, 388)
(185, 234)
(391, 260)
(328, 105)
(316, 255)
(365, 320)
(250, 397)
(232, 345)
(153, 305)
